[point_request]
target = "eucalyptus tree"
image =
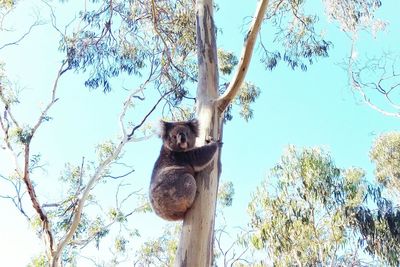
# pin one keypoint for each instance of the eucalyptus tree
(385, 153)
(170, 45)
(298, 213)
(380, 226)
(309, 212)
(175, 43)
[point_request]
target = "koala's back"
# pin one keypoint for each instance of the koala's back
(169, 160)
(172, 187)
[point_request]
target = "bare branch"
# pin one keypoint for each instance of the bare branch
(24, 173)
(17, 199)
(16, 42)
(100, 170)
(53, 100)
(84, 242)
(127, 103)
(234, 86)
(119, 176)
(35, 202)
(78, 212)
(147, 115)
(3, 16)
(379, 68)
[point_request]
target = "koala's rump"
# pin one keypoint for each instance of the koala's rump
(172, 191)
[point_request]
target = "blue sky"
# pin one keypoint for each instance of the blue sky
(313, 108)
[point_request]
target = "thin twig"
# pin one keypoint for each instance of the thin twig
(16, 42)
(53, 100)
(355, 84)
(147, 115)
(119, 176)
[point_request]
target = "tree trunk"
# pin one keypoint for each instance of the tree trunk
(197, 236)
(196, 242)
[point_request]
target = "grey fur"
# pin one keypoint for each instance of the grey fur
(173, 187)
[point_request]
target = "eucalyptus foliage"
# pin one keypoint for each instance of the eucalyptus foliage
(307, 220)
(309, 212)
(380, 227)
(161, 251)
(156, 39)
(7, 3)
(298, 213)
(385, 153)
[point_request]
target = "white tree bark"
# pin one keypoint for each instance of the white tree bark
(197, 236)
(243, 66)
(196, 243)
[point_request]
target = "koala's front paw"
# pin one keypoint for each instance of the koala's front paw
(209, 139)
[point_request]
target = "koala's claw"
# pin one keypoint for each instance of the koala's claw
(210, 139)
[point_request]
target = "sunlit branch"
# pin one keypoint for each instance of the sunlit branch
(78, 212)
(99, 173)
(356, 83)
(53, 99)
(84, 242)
(127, 103)
(26, 174)
(234, 86)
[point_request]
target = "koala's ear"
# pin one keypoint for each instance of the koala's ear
(194, 126)
(164, 128)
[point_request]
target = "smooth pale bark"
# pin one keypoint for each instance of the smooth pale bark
(196, 242)
(197, 236)
(243, 66)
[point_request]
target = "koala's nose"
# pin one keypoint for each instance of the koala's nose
(182, 137)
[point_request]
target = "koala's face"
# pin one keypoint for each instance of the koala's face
(179, 136)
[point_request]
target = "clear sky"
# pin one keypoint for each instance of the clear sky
(313, 108)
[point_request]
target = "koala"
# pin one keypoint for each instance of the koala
(172, 186)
